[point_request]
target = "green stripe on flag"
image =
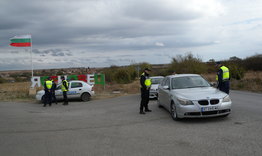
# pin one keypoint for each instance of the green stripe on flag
(20, 40)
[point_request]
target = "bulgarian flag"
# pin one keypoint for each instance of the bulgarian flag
(21, 41)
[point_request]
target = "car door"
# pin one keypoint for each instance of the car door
(161, 91)
(75, 89)
(58, 92)
(166, 93)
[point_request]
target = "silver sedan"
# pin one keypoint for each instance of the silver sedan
(190, 96)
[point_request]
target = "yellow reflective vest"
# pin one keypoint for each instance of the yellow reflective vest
(225, 75)
(48, 84)
(147, 81)
(63, 88)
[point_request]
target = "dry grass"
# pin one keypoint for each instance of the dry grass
(15, 91)
(252, 81)
(114, 90)
(19, 91)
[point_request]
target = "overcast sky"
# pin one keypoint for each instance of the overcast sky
(98, 33)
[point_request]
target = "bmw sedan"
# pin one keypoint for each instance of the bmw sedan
(190, 96)
(77, 90)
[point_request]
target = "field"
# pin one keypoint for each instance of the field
(19, 91)
(252, 81)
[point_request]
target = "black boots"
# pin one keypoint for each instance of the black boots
(142, 112)
(147, 110)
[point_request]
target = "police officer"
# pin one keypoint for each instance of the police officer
(223, 78)
(53, 91)
(145, 82)
(48, 94)
(64, 89)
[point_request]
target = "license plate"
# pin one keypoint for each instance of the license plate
(213, 108)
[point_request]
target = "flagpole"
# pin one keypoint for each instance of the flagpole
(32, 58)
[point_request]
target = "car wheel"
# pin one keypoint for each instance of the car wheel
(85, 97)
(173, 112)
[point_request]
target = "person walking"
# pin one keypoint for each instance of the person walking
(145, 83)
(64, 89)
(48, 94)
(223, 78)
(53, 92)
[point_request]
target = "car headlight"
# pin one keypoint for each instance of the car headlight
(184, 101)
(226, 99)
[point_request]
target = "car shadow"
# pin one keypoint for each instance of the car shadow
(200, 120)
(61, 101)
(204, 120)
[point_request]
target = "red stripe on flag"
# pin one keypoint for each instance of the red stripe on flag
(26, 44)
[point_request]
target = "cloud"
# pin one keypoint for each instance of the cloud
(53, 52)
(102, 32)
(159, 44)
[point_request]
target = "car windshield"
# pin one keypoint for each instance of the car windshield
(189, 82)
(156, 80)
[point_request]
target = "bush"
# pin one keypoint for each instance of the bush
(187, 64)
(109, 73)
(113, 74)
(236, 72)
(253, 63)
(2, 80)
(122, 76)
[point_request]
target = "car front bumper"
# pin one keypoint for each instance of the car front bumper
(153, 94)
(195, 111)
(39, 97)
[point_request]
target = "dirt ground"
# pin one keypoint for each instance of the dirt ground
(19, 91)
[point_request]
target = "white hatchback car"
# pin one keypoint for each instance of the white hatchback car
(156, 80)
(77, 90)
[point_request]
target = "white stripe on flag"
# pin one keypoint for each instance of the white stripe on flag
(21, 36)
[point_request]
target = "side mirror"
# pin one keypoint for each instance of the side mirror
(165, 87)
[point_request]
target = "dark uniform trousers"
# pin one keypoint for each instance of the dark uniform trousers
(48, 97)
(144, 99)
(54, 97)
(65, 98)
(224, 86)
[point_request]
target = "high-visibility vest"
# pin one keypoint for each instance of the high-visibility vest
(48, 84)
(225, 75)
(63, 88)
(147, 81)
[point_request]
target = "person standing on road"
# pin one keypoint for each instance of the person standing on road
(53, 92)
(223, 78)
(48, 95)
(64, 89)
(145, 83)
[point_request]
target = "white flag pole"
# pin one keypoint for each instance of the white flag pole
(32, 57)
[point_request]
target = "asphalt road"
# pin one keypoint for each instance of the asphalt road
(114, 127)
